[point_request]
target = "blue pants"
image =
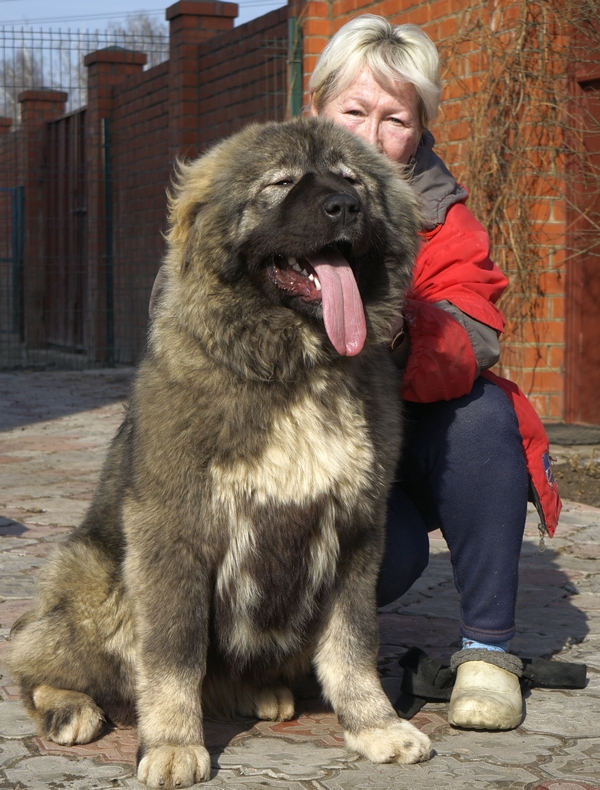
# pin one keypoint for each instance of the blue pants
(463, 471)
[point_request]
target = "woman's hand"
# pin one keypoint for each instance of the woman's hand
(400, 343)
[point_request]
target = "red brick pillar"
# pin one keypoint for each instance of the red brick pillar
(318, 21)
(38, 106)
(5, 124)
(191, 23)
(106, 69)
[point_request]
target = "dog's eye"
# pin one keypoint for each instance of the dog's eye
(284, 182)
(354, 181)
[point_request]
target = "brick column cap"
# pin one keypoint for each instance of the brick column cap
(116, 55)
(43, 94)
(200, 8)
(5, 123)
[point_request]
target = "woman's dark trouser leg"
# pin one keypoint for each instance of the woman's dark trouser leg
(463, 468)
(407, 548)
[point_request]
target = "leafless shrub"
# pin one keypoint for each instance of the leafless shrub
(528, 162)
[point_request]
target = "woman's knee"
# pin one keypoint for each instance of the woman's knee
(396, 578)
(486, 411)
(407, 548)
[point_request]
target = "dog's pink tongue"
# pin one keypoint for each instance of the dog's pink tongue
(343, 312)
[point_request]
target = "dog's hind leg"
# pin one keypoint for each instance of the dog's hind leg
(270, 703)
(223, 695)
(346, 665)
(74, 654)
(275, 703)
(66, 717)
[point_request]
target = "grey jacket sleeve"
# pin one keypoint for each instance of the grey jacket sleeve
(484, 339)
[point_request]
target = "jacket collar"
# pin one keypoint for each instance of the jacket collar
(433, 182)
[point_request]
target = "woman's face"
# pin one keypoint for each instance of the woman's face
(389, 121)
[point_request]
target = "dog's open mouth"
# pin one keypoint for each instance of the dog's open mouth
(296, 277)
(327, 276)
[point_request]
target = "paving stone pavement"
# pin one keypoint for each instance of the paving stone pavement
(54, 430)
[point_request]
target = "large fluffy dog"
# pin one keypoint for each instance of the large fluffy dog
(239, 525)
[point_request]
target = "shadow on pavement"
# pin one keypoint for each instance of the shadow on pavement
(29, 397)
(428, 615)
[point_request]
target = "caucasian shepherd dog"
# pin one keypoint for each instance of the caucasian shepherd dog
(238, 528)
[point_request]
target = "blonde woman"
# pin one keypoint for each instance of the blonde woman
(474, 447)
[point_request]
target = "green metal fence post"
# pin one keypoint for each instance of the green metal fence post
(18, 204)
(108, 238)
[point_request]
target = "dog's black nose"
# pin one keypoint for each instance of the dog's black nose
(342, 208)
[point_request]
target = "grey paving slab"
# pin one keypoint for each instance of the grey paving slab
(11, 752)
(14, 721)
(559, 712)
(68, 773)
(54, 431)
(578, 761)
(22, 587)
(276, 759)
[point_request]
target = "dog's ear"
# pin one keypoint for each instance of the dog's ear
(188, 194)
(181, 219)
(183, 210)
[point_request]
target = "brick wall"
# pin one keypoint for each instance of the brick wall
(38, 108)
(244, 76)
(141, 171)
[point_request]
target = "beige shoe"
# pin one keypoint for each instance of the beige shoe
(486, 696)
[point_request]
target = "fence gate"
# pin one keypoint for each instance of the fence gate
(65, 231)
(11, 274)
(52, 305)
(582, 349)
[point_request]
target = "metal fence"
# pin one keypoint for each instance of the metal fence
(80, 215)
(31, 58)
(47, 300)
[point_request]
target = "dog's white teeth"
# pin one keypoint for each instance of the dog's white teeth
(295, 265)
(315, 280)
(304, 272)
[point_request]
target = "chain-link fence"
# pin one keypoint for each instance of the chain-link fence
(90, 123)
(47, 297)
(31, 58)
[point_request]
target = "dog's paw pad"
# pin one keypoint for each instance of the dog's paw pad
(170, 767)
(274, 704)
(400, 742)
(68, 717)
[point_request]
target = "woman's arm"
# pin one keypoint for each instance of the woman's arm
(451, 319)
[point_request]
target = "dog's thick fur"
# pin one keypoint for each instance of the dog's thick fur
(238, 528)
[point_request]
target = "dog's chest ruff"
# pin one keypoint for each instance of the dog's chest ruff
(308, 452)
(279, 510)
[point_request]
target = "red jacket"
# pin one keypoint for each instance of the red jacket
(453, 264)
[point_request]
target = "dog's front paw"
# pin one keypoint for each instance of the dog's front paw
(399, 742)
(174, 766)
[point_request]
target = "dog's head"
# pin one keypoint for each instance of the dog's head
(300, 219)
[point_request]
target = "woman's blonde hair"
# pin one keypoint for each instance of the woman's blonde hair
(391, 52)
